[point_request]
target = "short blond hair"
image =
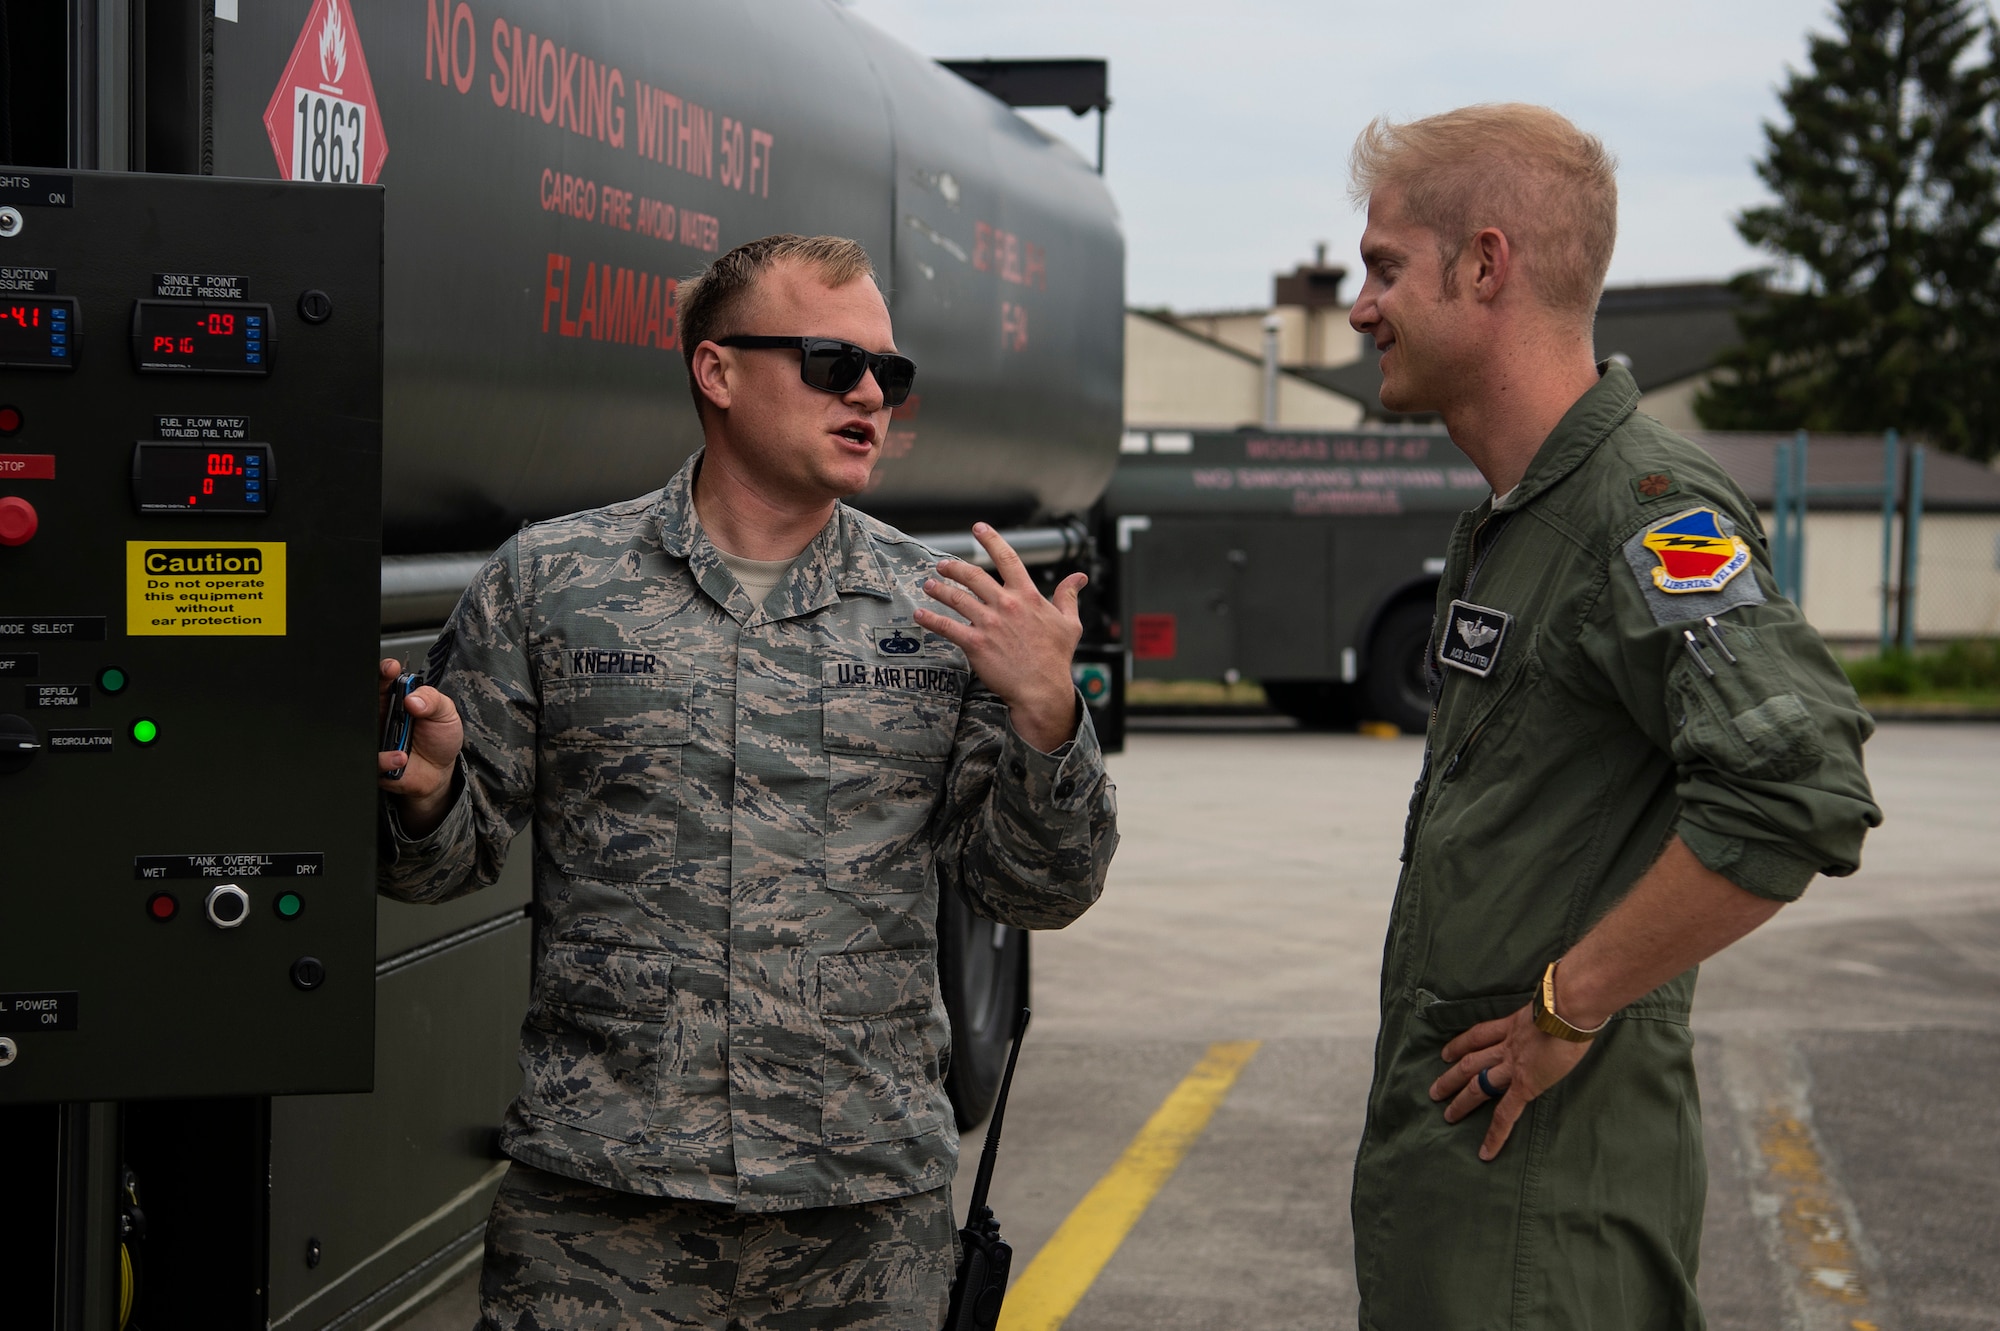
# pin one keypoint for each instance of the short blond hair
(709, 303)
(1525, 170)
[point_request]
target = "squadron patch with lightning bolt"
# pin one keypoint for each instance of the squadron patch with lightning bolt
(1688, 566)
(1695, 554)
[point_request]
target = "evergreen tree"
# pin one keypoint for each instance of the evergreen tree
(1884, 308)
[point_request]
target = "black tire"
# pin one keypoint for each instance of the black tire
(983, 967)
(1316, 704)
(1397, 685)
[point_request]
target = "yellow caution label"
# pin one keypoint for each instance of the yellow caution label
(189, 589)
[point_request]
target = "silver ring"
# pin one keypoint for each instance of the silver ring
(1487, 1088)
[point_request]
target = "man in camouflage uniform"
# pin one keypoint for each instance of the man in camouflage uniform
(753, 755)
(1639, 752)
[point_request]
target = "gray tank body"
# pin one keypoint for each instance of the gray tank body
(554, 169)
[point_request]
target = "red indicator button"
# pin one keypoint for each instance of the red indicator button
(162, 906)
(17, 521)
(10, 420)
(26, 466)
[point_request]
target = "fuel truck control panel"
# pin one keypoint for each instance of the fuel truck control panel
(190, 519)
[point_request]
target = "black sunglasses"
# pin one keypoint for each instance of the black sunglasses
(833, 366)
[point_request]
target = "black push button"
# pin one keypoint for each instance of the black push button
(228, 906)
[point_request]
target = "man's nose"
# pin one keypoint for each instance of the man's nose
(866, 393)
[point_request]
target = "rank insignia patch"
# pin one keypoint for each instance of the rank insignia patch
(1472, 637)
(1694, 553)
(1654, 484)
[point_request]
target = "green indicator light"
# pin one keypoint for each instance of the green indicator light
(289, 904)
(111, 679)
(144, 731)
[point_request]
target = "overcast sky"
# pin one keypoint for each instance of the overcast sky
(1232, 122)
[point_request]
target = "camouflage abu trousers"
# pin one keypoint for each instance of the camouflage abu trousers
(563, 1254)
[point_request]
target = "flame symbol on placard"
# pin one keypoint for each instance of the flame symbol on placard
(332, 46)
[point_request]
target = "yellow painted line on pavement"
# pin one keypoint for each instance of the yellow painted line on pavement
(1063, 1271)
(1813, 1223)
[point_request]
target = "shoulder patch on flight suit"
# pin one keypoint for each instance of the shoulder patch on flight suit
(1688, 566)
(1654, 485)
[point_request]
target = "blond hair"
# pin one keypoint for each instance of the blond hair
(709, 303)
(1527, 171)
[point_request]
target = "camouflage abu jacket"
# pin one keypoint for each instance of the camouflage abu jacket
(742, 818)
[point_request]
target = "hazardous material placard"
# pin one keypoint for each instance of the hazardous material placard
(205, 588)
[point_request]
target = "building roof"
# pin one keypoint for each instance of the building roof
(1844, 471)
(1665, 333)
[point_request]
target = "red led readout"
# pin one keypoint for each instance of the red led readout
(27, 316)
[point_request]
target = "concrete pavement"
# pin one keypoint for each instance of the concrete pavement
(1848, 1051)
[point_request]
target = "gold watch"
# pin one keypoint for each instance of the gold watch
(1546, 1020)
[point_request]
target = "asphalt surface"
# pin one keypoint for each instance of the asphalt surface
(1849, 1051)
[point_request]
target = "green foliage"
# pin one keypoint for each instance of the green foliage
(1959, 668)
(1884, 307)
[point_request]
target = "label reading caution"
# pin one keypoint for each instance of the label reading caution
(204, 588)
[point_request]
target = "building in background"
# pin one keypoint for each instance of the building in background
(1207, 370)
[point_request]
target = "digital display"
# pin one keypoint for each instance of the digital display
(201, 478)
(201, 337)
(38, 332)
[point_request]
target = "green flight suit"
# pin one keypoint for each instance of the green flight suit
(1551, 782)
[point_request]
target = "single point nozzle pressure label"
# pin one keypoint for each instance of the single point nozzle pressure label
(204, 588)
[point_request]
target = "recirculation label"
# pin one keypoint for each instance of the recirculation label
(204, 588)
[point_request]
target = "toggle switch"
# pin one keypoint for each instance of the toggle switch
(228, 906)
(18, 521)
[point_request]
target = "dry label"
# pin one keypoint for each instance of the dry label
(191, 589)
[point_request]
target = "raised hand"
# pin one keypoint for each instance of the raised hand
(1018, 641)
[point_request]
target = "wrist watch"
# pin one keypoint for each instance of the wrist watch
(1546, 1020)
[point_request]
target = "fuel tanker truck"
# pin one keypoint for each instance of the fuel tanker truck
(551, 171)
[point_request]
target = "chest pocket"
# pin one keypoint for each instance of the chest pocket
(611, 773)
(887, 733)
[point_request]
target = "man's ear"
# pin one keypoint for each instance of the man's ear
(711, 375)
(1491, 260)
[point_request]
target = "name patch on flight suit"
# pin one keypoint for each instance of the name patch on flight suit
(1472, 638)
(610, 661)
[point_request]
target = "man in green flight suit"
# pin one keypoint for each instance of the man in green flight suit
(1638, 753)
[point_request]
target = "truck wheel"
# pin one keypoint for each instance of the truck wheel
(1397, 685)
(983, 967)
(1316, 704)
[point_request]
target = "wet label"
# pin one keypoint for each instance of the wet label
(49, 1011)
(243, 864)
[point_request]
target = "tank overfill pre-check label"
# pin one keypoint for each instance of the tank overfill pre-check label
(204, 588)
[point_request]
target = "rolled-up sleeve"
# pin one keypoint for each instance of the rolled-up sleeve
(482, 664)
(1764, 730)
(1028, 836)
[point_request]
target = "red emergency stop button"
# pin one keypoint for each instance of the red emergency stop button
(18, 521)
